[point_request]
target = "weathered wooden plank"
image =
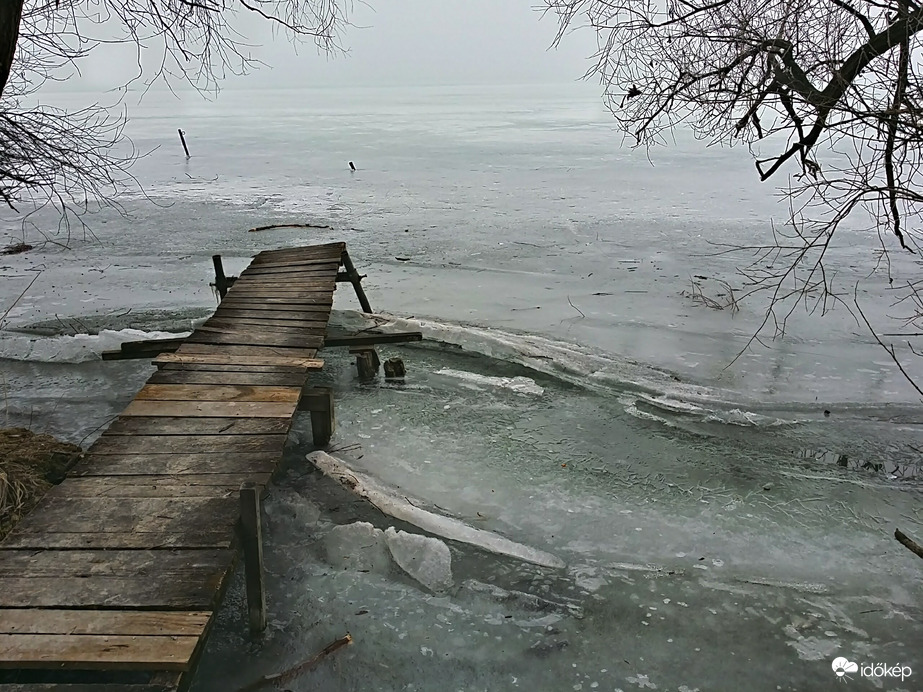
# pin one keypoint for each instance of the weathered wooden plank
(298, 371)
(187, 444)
(336, 246)
(303, 283)
(293, 261)
(217, 392)
(247, 335)
(196, 565)
(105, 652)
(267, 325)
(314, 252)
(210, 409)
(320, 302)
(137, 425)
(314, 315)
(220, 537)
(243, 350)
(89, 687)
(311, 256)
(266, 379)
(188, 485)
(369, 338)
(240, 360)
(140, 515)
(117, 622)
(173, 464)
(307, 287)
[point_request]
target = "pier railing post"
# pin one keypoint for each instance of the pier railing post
(221, 281)
(252, 542)
(356, 281)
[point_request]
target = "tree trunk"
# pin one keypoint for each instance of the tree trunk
(10, 18)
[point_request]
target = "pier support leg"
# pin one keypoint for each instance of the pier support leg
(394, 369)
(367, 362)
(319, 401)
(252, 541)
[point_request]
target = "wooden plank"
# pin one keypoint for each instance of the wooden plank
(195, 565)
(136, 515)
(247, 335)
(117, 622)
(189, 485)
(337, 245)
(267, 379)
(136, 425)
(89, 687)
(294, 261)
(295, 288)
(315, 315)
(103, 652)
(172, 537)
(173, 464)
(326, 269)
(210, 409)
(267, 325)
(312, 252)
(187, 444)
(220, 368)
(369, 338)
(316, 302)
(217, 392)
(238, 360)
(244, 350)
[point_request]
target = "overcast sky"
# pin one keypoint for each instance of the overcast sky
(406, 43)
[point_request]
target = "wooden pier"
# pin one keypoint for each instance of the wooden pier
(120, 568)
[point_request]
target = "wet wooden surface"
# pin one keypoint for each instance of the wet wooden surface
(121, 566)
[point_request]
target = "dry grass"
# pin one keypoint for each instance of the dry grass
(29, 465)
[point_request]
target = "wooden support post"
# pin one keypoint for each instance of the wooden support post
(182, 138)
(252, 542)
(394, 369)
(367, 362)
(319, 401)
(356, 281)
(221, 281)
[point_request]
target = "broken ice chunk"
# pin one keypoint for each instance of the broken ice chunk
(358, 546)
(426, 559)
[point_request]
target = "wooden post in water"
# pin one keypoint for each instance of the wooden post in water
(252, 542)
(367, 362)
(182, 138)
(356, 281)
(221, 281)
(394, 369)
(319, 401)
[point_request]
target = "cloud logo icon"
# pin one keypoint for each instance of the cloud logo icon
(841, 666)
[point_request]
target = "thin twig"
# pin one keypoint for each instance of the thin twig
(290, 674)
(575, 307)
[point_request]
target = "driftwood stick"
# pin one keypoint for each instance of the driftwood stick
(292, 673)
(286, 225)
(908, 543)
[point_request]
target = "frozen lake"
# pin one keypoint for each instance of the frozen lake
(725, 524)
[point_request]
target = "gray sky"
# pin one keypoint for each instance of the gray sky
(406, 43)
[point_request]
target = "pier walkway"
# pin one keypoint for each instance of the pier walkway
(112, 581)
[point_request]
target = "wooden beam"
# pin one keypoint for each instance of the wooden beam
(252, 544)
(370, 338)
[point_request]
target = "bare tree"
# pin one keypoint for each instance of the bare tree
(78, 161)
(825, 92)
